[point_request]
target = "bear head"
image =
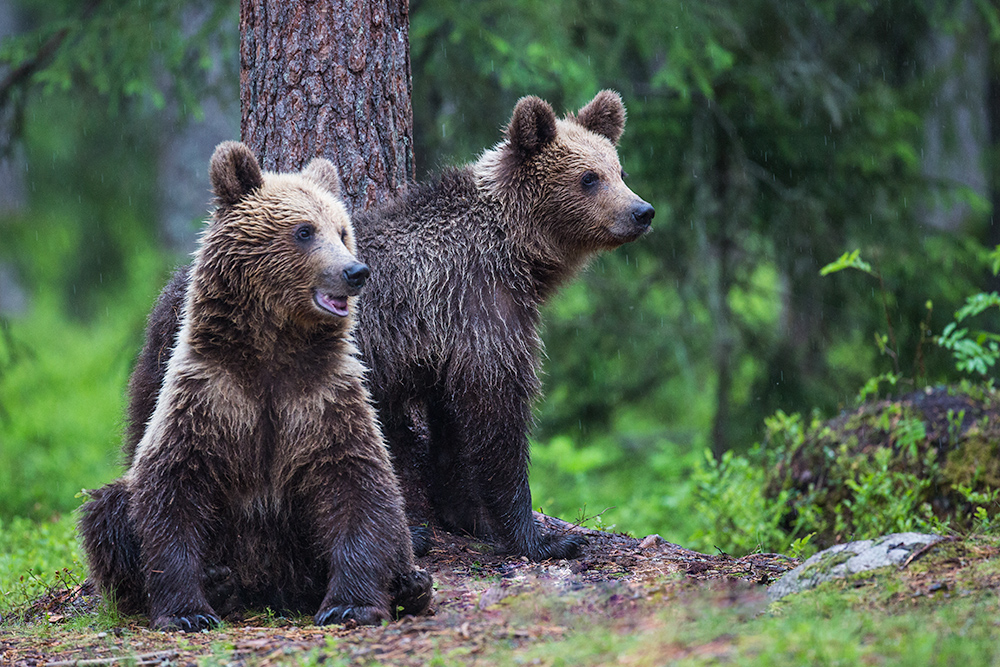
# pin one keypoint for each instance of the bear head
(279, 247)
(565, 176)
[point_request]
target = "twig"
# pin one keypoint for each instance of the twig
(142, 659)
(922, 550)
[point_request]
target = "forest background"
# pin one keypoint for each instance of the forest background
(771, 136)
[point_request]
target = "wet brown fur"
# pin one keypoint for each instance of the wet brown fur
(262, 459)
(449, 326)
(449, 322)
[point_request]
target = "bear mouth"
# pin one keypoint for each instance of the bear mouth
(336, 305)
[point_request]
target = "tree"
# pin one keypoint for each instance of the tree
(330, 79)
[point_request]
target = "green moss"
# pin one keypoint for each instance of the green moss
(825, 565)
(974, 462)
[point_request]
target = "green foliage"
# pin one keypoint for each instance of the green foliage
(879, 469)
(84, 251)
(35, 557)
(605, 485)
(735, 514)
(976, 352)
(133, 52)
(849, 260)
(61, 393)
(883, 500)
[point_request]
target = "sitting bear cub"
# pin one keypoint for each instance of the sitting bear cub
(261, 479)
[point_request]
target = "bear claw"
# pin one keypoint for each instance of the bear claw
(344, 613)
(187, 622)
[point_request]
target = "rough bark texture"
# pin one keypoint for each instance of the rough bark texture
(330, 79)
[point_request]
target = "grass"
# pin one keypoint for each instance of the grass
(35, 556)
(62, 386)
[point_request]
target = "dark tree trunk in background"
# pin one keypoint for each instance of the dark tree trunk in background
(331, 79)
(993, 119)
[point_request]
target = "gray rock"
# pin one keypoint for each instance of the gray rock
(844, 560)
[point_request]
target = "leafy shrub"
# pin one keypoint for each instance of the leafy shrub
(734, 514)
(928, 461)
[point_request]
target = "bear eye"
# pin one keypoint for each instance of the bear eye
(343, 236)
(304, 233)
(624, 174)
(589, 179)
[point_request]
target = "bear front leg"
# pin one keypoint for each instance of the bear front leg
(172, 508)
(361, 528)
(481, 446)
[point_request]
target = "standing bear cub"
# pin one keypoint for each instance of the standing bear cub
(261, 478)
(449, 322)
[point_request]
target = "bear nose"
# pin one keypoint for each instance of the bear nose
(356, 274)
(643, 214)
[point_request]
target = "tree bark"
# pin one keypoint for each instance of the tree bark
(330, 78)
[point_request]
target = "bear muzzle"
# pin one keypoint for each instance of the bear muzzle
(356, 275)
(332, 296)
(632, 224)
(642, 215)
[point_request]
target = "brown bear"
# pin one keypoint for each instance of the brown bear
(449, 322)
(261, 479)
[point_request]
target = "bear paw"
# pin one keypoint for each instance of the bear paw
(558, 547)
(221, 589)
(412, 593)
(193, 622)
(422, 540)
(345, 613)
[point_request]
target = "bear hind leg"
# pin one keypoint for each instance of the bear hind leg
(113, 549)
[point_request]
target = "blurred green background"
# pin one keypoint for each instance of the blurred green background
(770, 135)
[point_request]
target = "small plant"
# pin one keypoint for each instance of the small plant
(974, 351)
(736, 516)
(886, 342)
(800, 546)
(955, 421)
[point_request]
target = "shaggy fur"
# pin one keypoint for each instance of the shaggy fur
(261, 478)
(449, 322)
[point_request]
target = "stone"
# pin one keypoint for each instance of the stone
(843, 560)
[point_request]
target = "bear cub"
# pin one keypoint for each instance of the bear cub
(449, 324)
(261, 478)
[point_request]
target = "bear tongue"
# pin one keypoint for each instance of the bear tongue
(334, 304)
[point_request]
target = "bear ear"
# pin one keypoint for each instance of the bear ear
(323, 173)
(532, 126)
(604, 115)
(234, 173)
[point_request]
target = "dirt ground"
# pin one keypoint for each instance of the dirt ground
(616, 577)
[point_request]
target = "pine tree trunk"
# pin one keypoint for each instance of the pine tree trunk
(332, 79)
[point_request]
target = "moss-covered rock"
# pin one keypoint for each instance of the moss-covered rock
(929, 460)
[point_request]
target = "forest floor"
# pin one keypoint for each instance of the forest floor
(625, 601)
